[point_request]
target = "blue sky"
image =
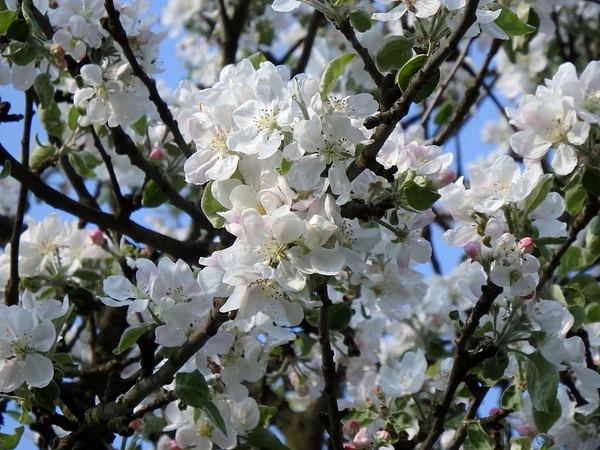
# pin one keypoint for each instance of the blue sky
(471, 143)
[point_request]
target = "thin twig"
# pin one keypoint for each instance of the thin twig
(329, 372)
(316, 21)
(116, 30)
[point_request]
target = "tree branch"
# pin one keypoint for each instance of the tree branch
(12, 286)
(184, 250)
(313, 27)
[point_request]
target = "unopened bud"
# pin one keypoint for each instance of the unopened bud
(379, 392)
(349, 446)
(382, 437)
(526, 244)
(157, 154)
(97, 237)
(362, 439)
(529, 296)
(527, 430)
(136, 424)
(494, 411)
(351, 428)
(472, 249)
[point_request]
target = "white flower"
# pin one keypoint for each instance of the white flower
(97, 98)
(421, 8)
(22, 340)
(72, 40)
(548, 124)
(408, 378)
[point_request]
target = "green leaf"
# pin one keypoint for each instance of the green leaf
(256, 59)
(266, 414)
(512, 399)
(394, 54)
(400, 421)
(361, 20)
(44, 89)
(90, 276)
(493, 368)
(22, 54)
(575, 198)
(591, 180)
(5, 172)
(262, 439)
(443, 113)
(72, 118)
(574, 259)
(363, 417)
(542, 382)
(332, 73)
(340, 315)
(544, 420)
(521, 443)
(80, 166)
(478, 438)
(39, 156)
(418, 197)
(18, 30)
(140, 126)
(52, 120)
(210, 207)
(130, 337)
(153, 196)
(510, 23)
(410, 69)
(192, 389)
(539, 193)
(592, 237)
(592, 313)
(10, 441)
(47, 396)
(6, 18)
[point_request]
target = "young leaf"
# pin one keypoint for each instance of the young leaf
(192, 389)
(478, 438)
(262, 439)
(542, 382)
(153, 196)
(332, 72)
(140, 126)
(539, 193)
(512, 399)
(210, 207)
(361, 20)
(418, 197)
(256, 59)
(52, 120)
(510, 23)
(544, 420)
(44, 89)
(411, 68)
(47, 396)
(130, 337)
(6, 18)
(11, 441)
(396, 51)
(521, 443)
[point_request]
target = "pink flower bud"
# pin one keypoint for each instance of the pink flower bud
(173, 445)
(97, 237)
(351, 428)
(526, 244)
(382, 437)
(349, 446)
(527, 430)
(157, 154)
(145, 252)
(472, 249)
(447, 176)
(529, 296)
(362, 439)
(379, 392)
(136, 424)
(494, 411)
